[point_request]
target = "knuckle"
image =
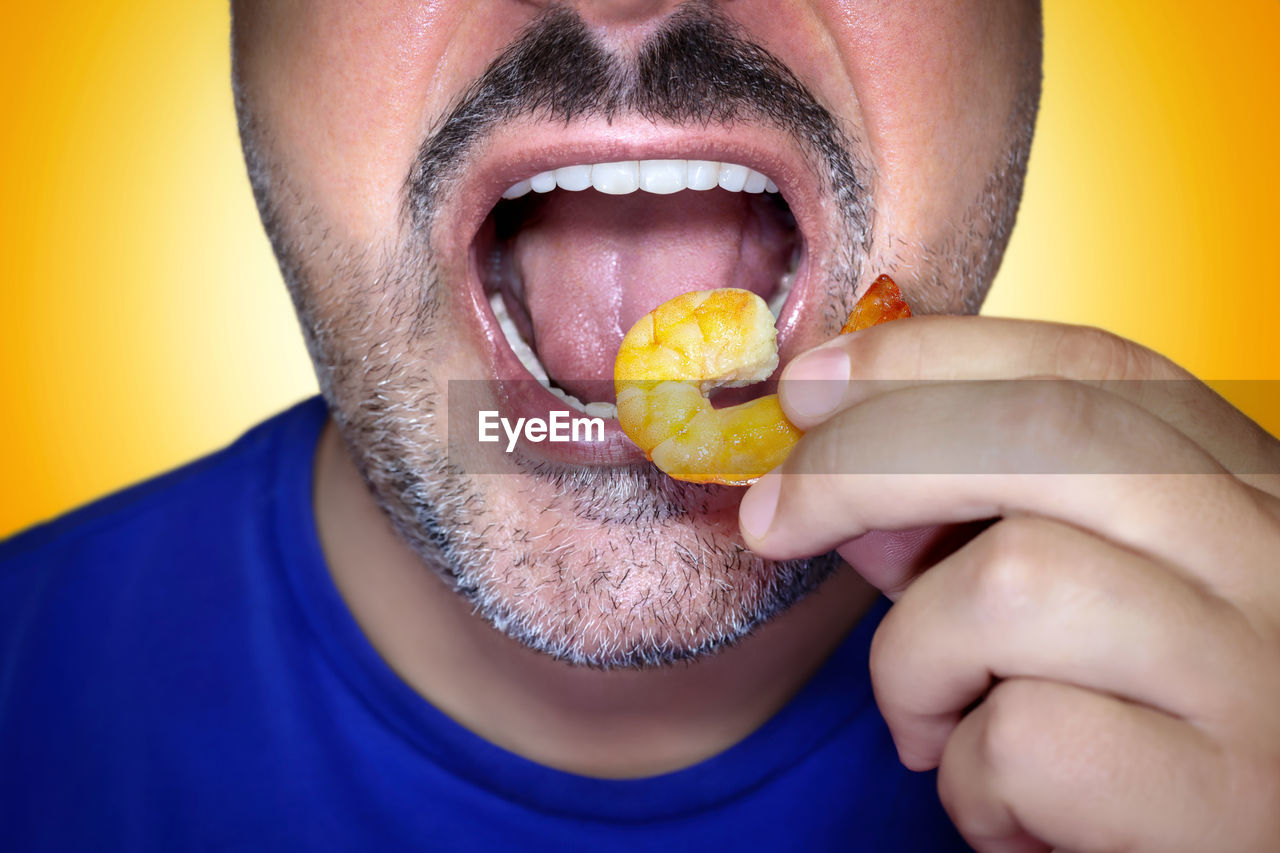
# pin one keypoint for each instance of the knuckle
(1048, 415)
(1010, 726)
(1007, 582)
(1087, 352)
(982, 770)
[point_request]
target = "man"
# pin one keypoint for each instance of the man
(350, 633)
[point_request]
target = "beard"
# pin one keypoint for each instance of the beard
(598, 566)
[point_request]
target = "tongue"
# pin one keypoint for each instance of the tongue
(593, 264)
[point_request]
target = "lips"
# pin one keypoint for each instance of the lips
(558, 271)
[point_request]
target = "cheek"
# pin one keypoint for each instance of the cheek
(936, 83)
(808, 45)
(345, 92)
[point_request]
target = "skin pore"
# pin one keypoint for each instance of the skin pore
(339, 100)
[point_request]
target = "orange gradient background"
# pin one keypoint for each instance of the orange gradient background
(143, 322)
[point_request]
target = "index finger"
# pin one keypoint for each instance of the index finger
(931, 349)
(925, 455)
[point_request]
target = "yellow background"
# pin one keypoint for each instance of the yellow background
(143, 323)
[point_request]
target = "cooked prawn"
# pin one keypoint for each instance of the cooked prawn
(675, 355)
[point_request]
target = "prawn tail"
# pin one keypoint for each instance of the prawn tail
(881, 303)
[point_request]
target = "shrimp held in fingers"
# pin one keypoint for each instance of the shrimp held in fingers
(681, 351)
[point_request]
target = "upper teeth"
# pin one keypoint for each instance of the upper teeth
(654, 176)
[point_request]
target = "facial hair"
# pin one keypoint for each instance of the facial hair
(605, 567)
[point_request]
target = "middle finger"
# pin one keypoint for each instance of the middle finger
(1035, 598)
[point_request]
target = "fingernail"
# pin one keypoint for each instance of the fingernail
(759, 504)
(815, 382)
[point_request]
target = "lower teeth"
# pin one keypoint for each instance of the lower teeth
(785, 283)
(530, 361)
(779, 298)
(517, 344)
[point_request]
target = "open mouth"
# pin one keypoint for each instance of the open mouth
(570, 254)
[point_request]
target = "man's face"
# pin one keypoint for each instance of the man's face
(381, 137)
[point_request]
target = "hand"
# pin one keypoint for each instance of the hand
(1100, 668)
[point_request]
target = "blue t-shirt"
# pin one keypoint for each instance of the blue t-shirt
(178, 672)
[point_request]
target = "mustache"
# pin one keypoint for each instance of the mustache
(695, 69)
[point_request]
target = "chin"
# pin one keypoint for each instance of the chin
(600, 566)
